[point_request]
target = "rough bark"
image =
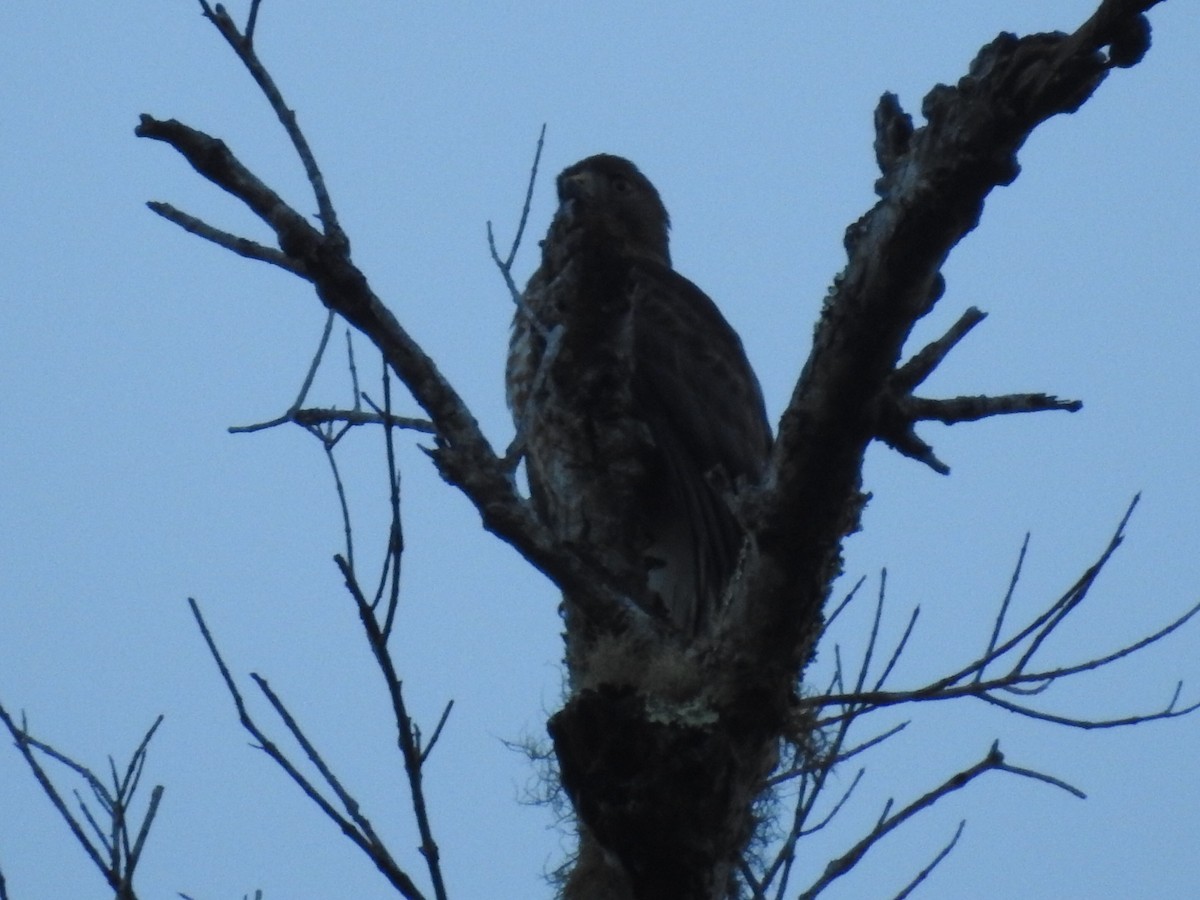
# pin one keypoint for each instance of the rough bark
(663, 763)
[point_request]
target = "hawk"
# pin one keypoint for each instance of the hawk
(638, 410)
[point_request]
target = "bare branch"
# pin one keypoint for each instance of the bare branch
(837, 610)
(244, 48)
(1128, 649)
(971, 409)
(311, 374)
(25, 745)
(1003, 611)
(934, 863)
(513, 291)
(505, 265)
(896, 410)
(1041, 627)
(340, 489)
(900, 645)
(395, 547)
(213, 159)
(1044, 778)
(463, 455)
(1169, 712)
(350, 824)
(112, 852)
(968, 681)
(934, 181)
(349, 803)
(904, 441)
(994, 760)
(813, 772)
(844, 755)
(252, 20)
(874, 635)
(134, 854)
(437, 731)
(921, 366)
(781, 867)
(353, 369)
(407, 742)
(314, 418)
(896, 416)
(239, 245)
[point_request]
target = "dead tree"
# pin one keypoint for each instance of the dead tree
(664, 758)
(668, 746)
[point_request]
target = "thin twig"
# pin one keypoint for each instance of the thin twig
(837, 610)
(437, 731)
(139, 844)
(243, 47)
(505, 265)
(372, 847)
(834, 810)
(1075, 596)
(112, 851)
(870, 743)
(1044, 778)
(252, 20)
(405, 730)
(395, 548)
(349, 803)
(900, 645)
(533, 171)
(1090, 724)
(24, 744)
(240, 245)
(874, 635)
(343, 502)
(1036, 631)
(311, 374)
(1008, 595)
(1128, 649)
(352, 368)
(994, 760)
(934, 863)
(969, 682)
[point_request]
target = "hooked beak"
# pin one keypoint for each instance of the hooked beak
(579, 186)
(573, 190)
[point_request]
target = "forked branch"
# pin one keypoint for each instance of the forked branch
(993, 761)
(1000, 676)
(934, 180)
(897, 410)
(112, 838)
(462, 454)
(342, 808)
(1020, 677)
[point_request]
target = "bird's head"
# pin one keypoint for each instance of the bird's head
(609, 192)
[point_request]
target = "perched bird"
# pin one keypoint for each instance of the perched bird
(637, 407)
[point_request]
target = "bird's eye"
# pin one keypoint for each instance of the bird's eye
(621, 186)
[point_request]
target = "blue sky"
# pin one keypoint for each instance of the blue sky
(128, 348)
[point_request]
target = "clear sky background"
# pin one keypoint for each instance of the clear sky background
(127, 347)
